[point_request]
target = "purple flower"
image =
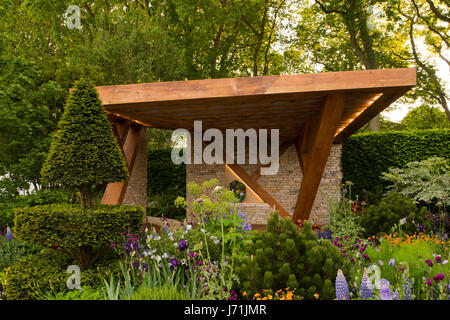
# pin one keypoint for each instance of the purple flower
(173, 264)
(439, 277)
(366, 290)
(9, 234)
(429, 262)
(145, 267)
(136, 264)
(428, 281)
(182, 246)
(392, 262)
(112, 245)
(199, 200)
(341, 286)
(385, 290)
(438, 259)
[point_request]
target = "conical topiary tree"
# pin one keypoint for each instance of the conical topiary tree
(84, 155)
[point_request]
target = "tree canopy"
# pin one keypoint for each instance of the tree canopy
(130, 41)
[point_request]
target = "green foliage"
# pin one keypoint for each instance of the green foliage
(426, 181)
(344, 215)
(217, 210)
(83, 233)
(282, 256)
(84, 154)
(41, 275)
(411, 256)
(381, 217)
(165, 182)
(366, 156)
(84, 293)
(11, 251)
(159, 293)
(425, 117)
(40, 197)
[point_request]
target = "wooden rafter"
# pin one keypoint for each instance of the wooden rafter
(313, 150)
(129, 134)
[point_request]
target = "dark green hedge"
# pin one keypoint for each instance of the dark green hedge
(163, 175)
(68, 226)
(35, 275)
(83, 234)
(366, 156)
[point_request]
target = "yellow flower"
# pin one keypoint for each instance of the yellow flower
(316, 295)
(256, 294)
(270, 297)
(245, 293)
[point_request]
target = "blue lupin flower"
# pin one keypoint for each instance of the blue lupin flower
(9, 234)
(366, 289)
(341, 286)
(407, 288)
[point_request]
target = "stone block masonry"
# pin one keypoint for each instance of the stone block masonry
(136, 193)
(284, 186)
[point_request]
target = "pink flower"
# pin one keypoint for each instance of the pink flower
(439, 277)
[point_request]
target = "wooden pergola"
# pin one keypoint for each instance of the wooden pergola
(312, 112)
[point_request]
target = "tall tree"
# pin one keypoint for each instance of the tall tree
(345, 35)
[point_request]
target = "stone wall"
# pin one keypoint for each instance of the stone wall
(283, 186)
(136, 193)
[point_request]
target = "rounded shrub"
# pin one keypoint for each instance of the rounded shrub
(381, 217)
(84, 234)
(283, 257)
(44, 274)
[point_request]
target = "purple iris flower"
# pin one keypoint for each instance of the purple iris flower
(182, 246)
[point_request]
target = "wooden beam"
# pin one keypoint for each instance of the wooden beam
(314, 151)
(183, 91)
(115, 191)
(258, 189)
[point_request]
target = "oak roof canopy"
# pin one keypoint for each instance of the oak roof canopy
(285, 102)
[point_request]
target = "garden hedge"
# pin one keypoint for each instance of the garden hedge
(33, 276)
(163, 175)
(81, 233)
(366, 156)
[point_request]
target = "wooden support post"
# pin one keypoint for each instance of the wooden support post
(115, 191)
(258, 189)
(313, 150)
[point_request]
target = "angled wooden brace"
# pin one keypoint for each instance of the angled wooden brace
(313, 150)
(127, 137)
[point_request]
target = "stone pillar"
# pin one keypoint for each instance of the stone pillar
(136, 193)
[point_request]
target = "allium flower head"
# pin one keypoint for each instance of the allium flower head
(439, 277)
(341, 286)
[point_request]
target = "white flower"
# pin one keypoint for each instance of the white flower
(158, 258)
(445, 262)
(188, 227)
(202, 230)
(175, 244)
(402, 221)
(165, 256)
(183, 261)
(380, 262)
